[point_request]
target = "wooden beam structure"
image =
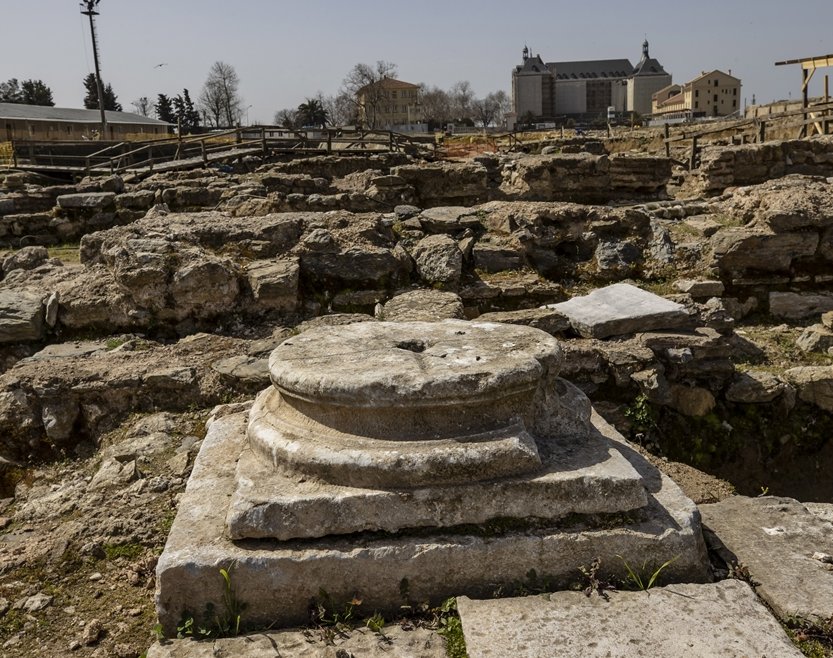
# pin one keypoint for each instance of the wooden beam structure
(808, 68)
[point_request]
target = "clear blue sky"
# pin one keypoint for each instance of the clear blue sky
(285, 51)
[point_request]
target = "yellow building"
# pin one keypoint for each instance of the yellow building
(389, 104)
(713, 94)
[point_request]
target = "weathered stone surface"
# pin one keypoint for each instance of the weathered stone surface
(796, 306)
(775, 539)
(692, 400)
(395, 643)
(546, 319)
(274, 284)
(27, 258)
(251, 372)
(448, 219)
(755, 387)
(738, 250)
(816, 338)
(278, 581)
(439, 260)
(621, 309)
(424, 306)
(699, 289)
(814, 384)
(21, 316)
(827, 319)
(721, 620)
(86, 200)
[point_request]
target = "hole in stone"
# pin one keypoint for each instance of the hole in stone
(412, 346)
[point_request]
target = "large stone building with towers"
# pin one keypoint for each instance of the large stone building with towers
(545, 91)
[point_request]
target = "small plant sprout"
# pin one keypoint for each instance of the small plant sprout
(638, 579)
(594, 582)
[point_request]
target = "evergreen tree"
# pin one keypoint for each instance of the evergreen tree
(91, 96)
(10, 91)
(164, 109)
(35, 92)
(185, 113)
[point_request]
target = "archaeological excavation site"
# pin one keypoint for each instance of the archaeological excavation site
(563, 394)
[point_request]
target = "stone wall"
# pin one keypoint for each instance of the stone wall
(728, 166)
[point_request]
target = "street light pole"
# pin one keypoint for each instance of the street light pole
(90, 11)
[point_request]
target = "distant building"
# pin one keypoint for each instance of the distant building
(389, 105)
(37, 122)
(545, 91)
(713, 94)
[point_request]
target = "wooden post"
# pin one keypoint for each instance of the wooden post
(562, 131)
(762, 131)
(179, 138)
(263, 141)
(14, 154)
(150, 156)
(87, 165)
(826, 122)
(667, 130)
(693, 160)
(204, 154)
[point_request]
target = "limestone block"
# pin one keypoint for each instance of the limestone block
(621, 309)
(438, 260)
(796, 306)
(814, 384)
(448, 219)
(816, 338)
(274, 284)
(699, 289)
(692, 400)
(722, 619)
(755, 387)
(775, 539)
(497, 255)
(21, 316)
(86, 200)
(423, 305)
(546, 319)
(397, 643)
(27, 258)
(740, 249)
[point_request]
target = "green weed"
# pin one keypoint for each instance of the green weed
(642, 579)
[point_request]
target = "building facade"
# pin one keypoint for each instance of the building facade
(712, 94)
(53, 124)
(584, 89)
(389, 105)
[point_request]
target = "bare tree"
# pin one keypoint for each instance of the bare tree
(436, 106)
(142, 106)
(341, 109)
(286, 118)
(462, 100)
(491, 109)
(220, 97)
(362, 86)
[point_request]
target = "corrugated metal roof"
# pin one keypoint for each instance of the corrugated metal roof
(73, 115)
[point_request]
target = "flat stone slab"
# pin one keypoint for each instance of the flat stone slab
(580, 475)
(720, 620)
(380, 364)
(775, 538)
(277, 580)
(396, 643)
(621, 309)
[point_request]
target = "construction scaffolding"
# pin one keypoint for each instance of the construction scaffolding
(808, 68)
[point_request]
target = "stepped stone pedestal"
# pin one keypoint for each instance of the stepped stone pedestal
(433, 458)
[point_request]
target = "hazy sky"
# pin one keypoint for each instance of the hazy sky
(285, 51)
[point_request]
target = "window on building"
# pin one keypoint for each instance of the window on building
(716, 83)
(696, 105)
(715, 98)
(734, 103)
(696, 93)
(393, 94)
(735, 91)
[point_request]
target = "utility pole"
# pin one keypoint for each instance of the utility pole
(90, 6)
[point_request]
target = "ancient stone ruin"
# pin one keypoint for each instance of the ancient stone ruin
(417, 452)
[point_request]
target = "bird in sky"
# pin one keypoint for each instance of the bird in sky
(159, 65)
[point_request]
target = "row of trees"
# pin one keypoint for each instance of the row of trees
(28, 92)
(437, 107)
